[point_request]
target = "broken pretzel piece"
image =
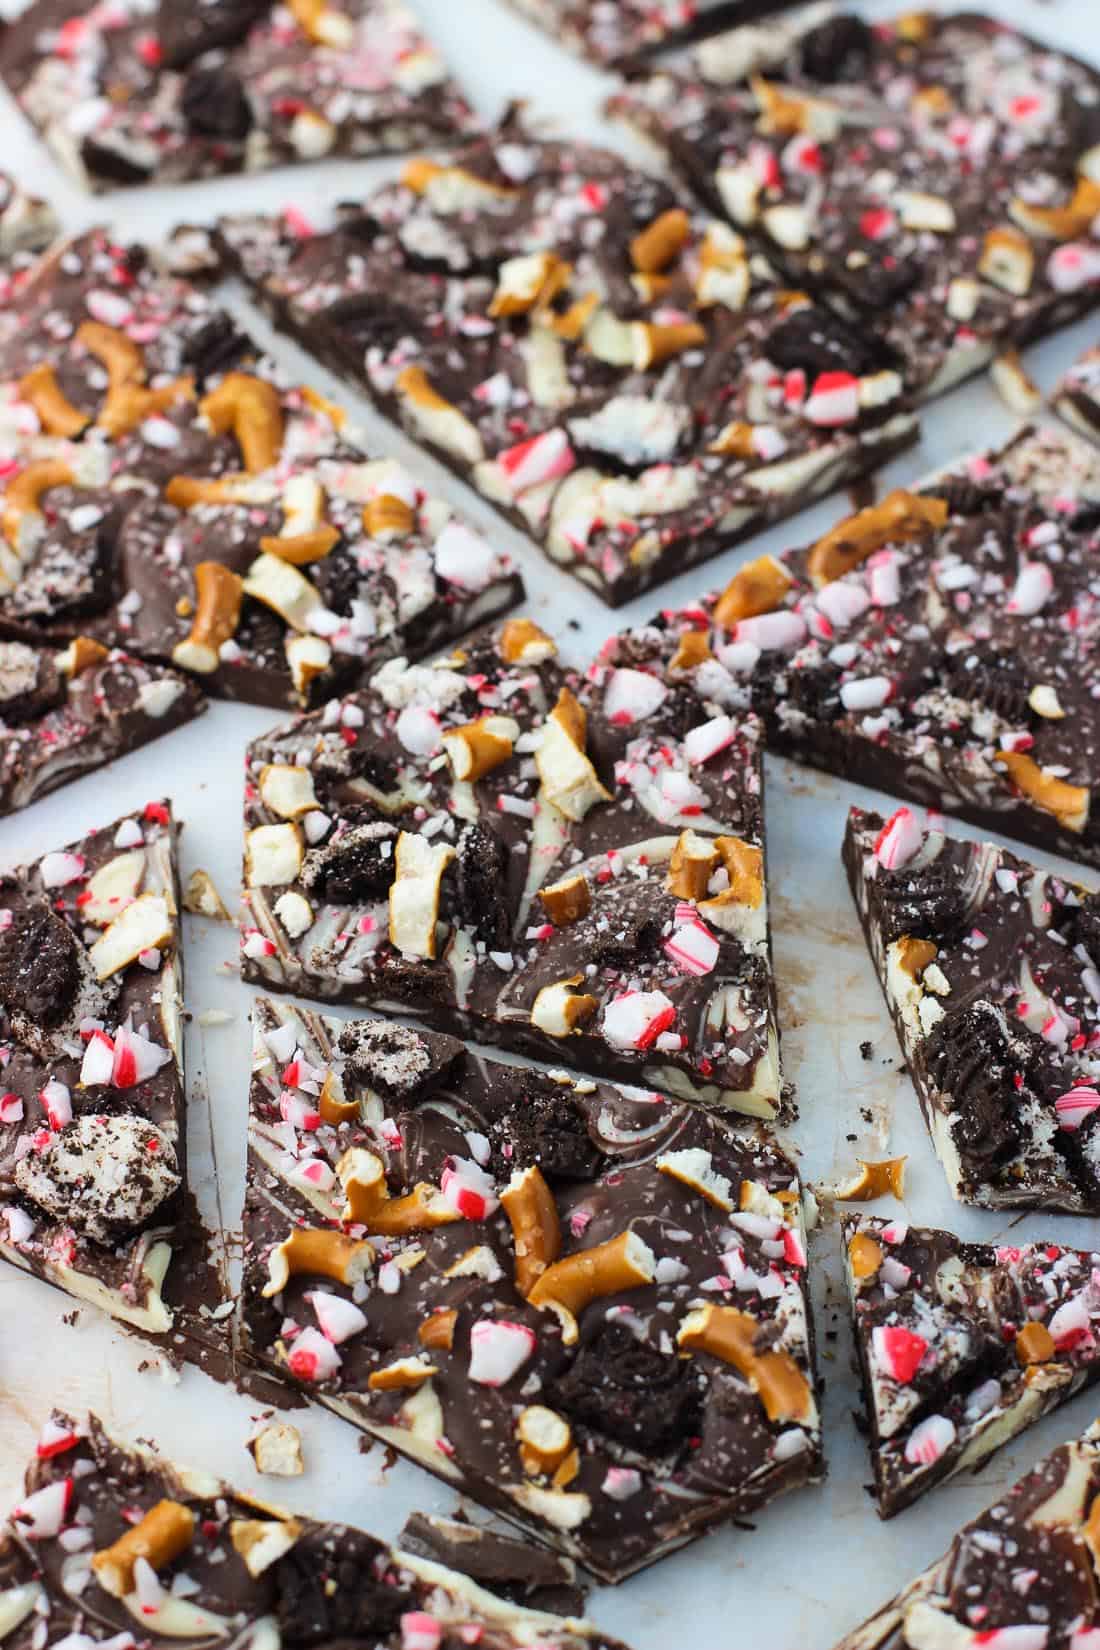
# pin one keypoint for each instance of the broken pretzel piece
(529, 1204)
(567, 901)
(545, 1439)
(277, 1450)
(317, 1251)
(569, 1285)
(218, 595)
(883, 1179)
(250, 410)
(729, 1334)
(757, 588)
(1068, 803)
(899, 517)
(25, 491)
(56, 413)
(163, 1534)
(568, 779)
(476, 748)
(369, 1204)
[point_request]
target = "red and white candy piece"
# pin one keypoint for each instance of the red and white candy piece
(842, 602)
(57, 1103)
(1073, 1107)
(620, 1483)
(498, 1349)
(929, 1441)
(632, 695)
(312, 1174)
(637, 1019)
(834, 399)
(313, 1357)
(545, 457)
(898, 1351)
(772, 632)
(339, 1319)
(55, 1440)
(468, 1190)
(462, 557)
(898, 840)
(42, 1515)
(98, 1062)
(706, 740)
(1071, 267)
(866, 693)
(1071, 1325)
(11, 1109)
(136, 1058)
(693, 947)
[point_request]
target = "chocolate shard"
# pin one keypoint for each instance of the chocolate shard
(189, 89)
(517, 1263)
(669, 434)
(981, 958)
(961, 1346)
(930, 645)
(231, 1565)
(504, 847)
(1038, 1527)
(216, 544)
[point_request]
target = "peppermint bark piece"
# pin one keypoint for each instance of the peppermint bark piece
(961, 1346)
(935, 180)
(989, 967)
(1077, 398)
(612, 369)
(939, 645)
(230, 86)
(1023, 1573)
(612, 34)
(519, 1280)
(92, 1123)
(570, 867)
(169, 492)
(185, 1556)
(64, 714)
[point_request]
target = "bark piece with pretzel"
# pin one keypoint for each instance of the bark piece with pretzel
(569, 865)
(940, 644)
(989, 968)
(183, 1556)
(525, 1338)
(170, 493)
(613, 369)
(960, 1346)
(933, 181)
(168, 92)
